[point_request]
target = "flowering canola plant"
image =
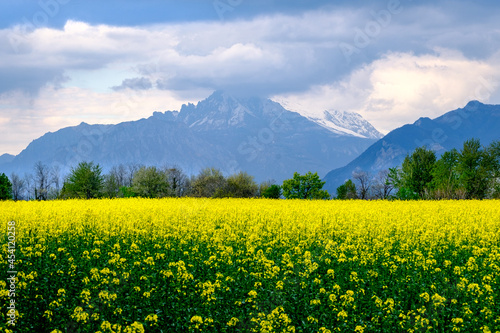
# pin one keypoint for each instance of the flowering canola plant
(252, 265)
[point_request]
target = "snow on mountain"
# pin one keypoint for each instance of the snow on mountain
(339, 122)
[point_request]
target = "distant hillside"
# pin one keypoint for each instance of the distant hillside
(6, 158)
(254, 135)
(475, 120)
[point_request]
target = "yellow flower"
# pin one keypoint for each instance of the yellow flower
(425, 297)
(438, 300)
(79, 315)
(48, 314)
(149, 261)
(233, 321)
(315, 302)
(152, 319)
(85, 295)
(342, 314)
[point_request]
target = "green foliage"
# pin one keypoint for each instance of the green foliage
(308, 186)
(209, 183)
(272, 192)
(150, 182)
(347, 190)
(405, 193)
(126, 192)
(5, 188)
(394, 177)
(471, 173)
(240, 185)
(476, 168)
(85, 181)
(416, 171)
(445, 177)
(494, 151)
(111, 187)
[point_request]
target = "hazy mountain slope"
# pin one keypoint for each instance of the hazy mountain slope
(6, 158)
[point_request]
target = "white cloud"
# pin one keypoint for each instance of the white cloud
(296, 56)
(401, 87)
(23, 119)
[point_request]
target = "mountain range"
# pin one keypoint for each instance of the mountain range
(250, 134)
(475, 120)
(258, 136)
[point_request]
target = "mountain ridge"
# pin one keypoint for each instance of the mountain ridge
(340, 122)
(249, 134)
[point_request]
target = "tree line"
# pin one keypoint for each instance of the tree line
(470, 173)
(473, 172)
(87, 181)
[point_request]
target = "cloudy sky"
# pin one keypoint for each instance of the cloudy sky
(67, 61)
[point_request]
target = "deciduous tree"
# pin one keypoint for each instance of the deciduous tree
(476, 167)
(416, 172)
(41, 181)
(18, 186)
(272, 192)
(240, 185)
(308, 186)
(445, 177)
(364, 183)
(209, 182)
(347, 191)
(150, 182)
(85, 181)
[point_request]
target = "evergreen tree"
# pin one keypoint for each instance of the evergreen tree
(5, 188)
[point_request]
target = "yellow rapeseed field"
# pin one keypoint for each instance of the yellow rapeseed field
(242, 265)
